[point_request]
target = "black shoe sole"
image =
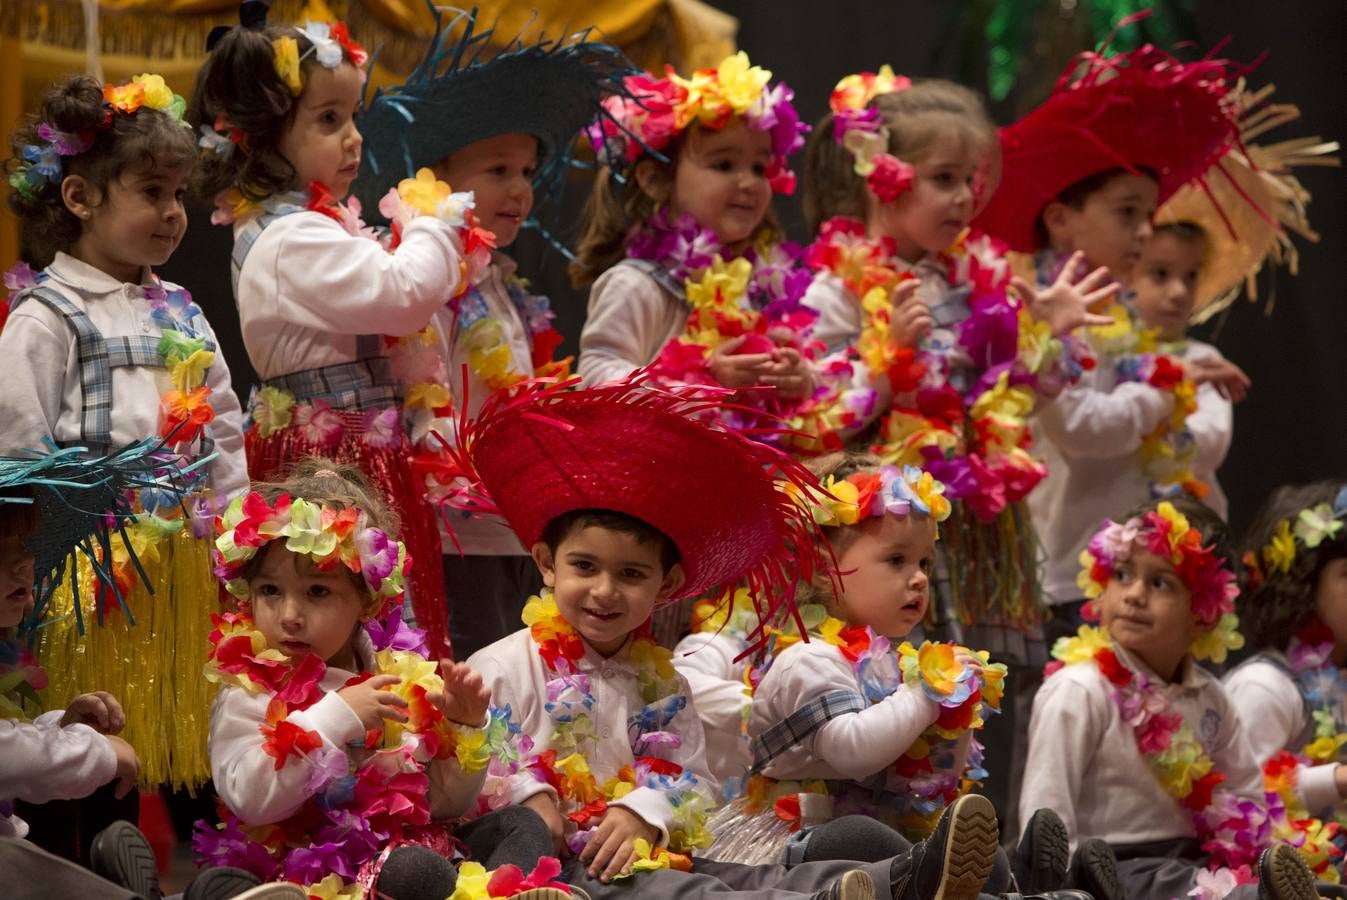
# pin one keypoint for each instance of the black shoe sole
(121, 854)
(1285, 876)
(1048, 848)
(1095, 870)
(970, 849)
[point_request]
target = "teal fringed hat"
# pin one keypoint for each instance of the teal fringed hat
(79, 502)
(549, 88)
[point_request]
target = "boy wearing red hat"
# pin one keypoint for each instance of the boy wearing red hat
(609, 488)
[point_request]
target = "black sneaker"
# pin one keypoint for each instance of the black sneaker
(1040, 860)
(854, 885)
(1094, 869)
(1284, 875)
(954, 862)
(122, 855)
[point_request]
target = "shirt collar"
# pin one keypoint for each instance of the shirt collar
(89, 280)
(594, 661)
(1190, 675)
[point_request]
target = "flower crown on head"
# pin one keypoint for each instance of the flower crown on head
(41, 163)
(328, 536)
(885, 491)
(1308, 528)
(659, 109)
(1166, 533)
(331, 45)
(860, 128)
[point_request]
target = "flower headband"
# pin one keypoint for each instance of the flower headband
(860, 128)
(1309, 528)
(331, 45)
(1166, 533)
(42, 164)
(663, 108)
(326, 535)
(888, 491)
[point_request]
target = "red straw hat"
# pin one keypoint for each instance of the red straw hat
(1143, 110)
(544, 451)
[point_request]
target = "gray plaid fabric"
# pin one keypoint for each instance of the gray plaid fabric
(98, 356)
(661, 276)
(800, 724)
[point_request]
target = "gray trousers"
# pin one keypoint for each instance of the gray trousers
(724, 880)
(32, 873)
(1162, 870)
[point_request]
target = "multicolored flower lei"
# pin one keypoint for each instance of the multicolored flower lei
(860, 128)
(564, 765)
(21, 677)
(1165, 532)
(489, 354)
(1232, 830)
(974, 437)
(659, 109)
(890, 491)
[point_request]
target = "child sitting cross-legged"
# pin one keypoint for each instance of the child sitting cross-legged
(628, 501)
(1137, 747)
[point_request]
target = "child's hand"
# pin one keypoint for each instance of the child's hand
(736, 370)
(99, 710)
(128, 766)
(546, 807)
(970, 660)
(1065, 304)
(790, 373)
(611, 848)
(1228, 379)
(910, 320)
(465, 698)
(372, 703)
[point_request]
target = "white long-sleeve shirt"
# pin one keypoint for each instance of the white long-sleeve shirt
(246, 777)
(853, 746)
(706, 660)
(41, 761)
(1269, 703)
(630, 320)
(1083, 760)
(1088, 436)
(308, 288)
(42, 396)
(517, 675)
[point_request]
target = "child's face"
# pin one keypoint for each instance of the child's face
(606, 582)
(1146, 609)
(139, 222)
(721, 179)
(322, 142)
(302, 609)
(886, 574)
(930, 216)
(1165, 282)
(499, 171)
(1112, 225)
(16, 580)
(1330, 598)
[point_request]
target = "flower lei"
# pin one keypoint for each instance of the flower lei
(489, 354)
(860, 128)
(21, 677)
(1165, 532)
(40, 164)
(658, 109)
(974, 439)
(331, 45)
(564, 765)
(887, 491)
(1232, 830)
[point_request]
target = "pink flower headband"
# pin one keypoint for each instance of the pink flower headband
(1166, 533)
(860, 128)
(659, 109)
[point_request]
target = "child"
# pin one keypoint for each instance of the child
(603, 495)
(115, 356)
(1291, 693)
(501, 128)
(685, 260)
(1133, 743)
(333, 728)
(315, 292)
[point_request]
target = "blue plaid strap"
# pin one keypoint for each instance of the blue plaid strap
(95, 367)
(661, 276)
(794, 728)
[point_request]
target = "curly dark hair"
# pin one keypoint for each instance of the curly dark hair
(239, 84)
(1272, 613)
(120, 142)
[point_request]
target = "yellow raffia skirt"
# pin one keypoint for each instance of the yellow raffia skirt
(154, 667)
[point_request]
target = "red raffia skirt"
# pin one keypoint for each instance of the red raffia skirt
(389, 467)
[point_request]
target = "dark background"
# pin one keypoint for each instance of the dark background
(1293, 426)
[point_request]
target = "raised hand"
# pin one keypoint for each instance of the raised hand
(1065, 304)
(372, 703)
(465, 698)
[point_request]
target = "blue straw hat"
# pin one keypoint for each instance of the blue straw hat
(549, 88)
